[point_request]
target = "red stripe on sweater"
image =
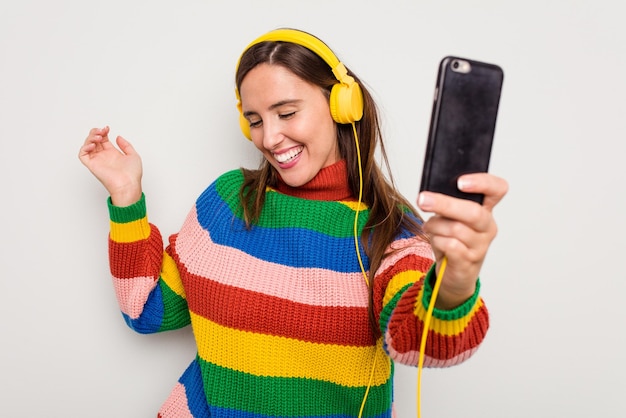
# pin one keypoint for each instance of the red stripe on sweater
(256, 312)
(124, 262)
(381, 281)
(406, 329)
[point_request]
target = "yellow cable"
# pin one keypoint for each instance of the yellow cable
(358, 254)
(358, 207)
(429, 314)
(369, 384)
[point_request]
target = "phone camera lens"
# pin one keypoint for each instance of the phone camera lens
(460, 66)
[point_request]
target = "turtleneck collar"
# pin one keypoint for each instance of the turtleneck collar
(331, 183)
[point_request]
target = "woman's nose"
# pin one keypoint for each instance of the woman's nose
(272, 134)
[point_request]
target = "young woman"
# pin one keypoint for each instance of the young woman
(306, 279)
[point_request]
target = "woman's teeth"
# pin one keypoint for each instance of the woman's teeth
(288, 156)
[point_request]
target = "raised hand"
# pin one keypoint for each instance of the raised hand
(118, 169)
(462, 231)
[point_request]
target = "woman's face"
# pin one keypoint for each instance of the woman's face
(290, 122)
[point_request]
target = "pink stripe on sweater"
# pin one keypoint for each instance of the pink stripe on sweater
(411, 357)
(404, 247)
(176, 405)
(312, 286)
(132, 294)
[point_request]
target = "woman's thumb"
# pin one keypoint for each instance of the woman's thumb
(124, 145)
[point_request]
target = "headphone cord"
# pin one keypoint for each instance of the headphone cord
(429, 314)
(431, 303)
(358, 254)
(358, 208)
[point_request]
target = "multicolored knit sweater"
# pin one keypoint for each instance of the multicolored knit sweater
(280, 311)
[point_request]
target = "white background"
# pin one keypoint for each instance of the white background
(161, 74)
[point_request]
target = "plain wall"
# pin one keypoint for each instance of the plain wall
(161, 74)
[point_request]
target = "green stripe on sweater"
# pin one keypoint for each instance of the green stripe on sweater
(176, 313)
(126, 214)
(303, 213)
(275, 396)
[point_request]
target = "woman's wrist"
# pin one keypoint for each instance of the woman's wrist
(448, 300)
(123, 198)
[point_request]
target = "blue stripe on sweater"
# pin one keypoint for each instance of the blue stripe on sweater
(292, 246)
(151, 317)
(229, 413)
(194, 391)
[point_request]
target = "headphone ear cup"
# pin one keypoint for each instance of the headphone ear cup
(243, 123)
(346, 103)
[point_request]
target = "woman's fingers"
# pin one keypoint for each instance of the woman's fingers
(465, 211)
(492, 187)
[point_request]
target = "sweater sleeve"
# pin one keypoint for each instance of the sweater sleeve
(403, 288)
(145, 275)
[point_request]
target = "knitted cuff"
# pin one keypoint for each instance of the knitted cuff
(124, 214)
(447, 315)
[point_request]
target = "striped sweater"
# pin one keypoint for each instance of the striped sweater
(280, 311)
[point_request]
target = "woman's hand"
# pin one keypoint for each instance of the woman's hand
(462, 231)
(119, 170)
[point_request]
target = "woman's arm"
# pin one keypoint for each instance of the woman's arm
(403, 287)
(146, 279)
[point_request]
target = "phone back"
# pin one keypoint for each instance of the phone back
(463, 121)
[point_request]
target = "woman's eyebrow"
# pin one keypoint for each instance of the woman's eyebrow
(274, 106)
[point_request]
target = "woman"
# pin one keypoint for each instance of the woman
(303, 280)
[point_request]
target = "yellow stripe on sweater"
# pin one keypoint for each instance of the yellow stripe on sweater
(442, 327)
(399, 281)
(354, 205)
(267, 355)
(130, 231)
(171, 275)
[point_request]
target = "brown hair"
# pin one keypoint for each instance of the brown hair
(387, 206)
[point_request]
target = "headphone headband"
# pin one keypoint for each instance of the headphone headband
(346, 102)
(308, 41)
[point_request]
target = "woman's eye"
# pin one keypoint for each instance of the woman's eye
(287, 115)
(255, 123)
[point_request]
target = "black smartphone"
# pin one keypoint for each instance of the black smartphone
(462, 125)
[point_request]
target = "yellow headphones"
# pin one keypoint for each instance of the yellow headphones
(346, 98)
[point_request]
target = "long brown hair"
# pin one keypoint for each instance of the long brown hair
(387, 206)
